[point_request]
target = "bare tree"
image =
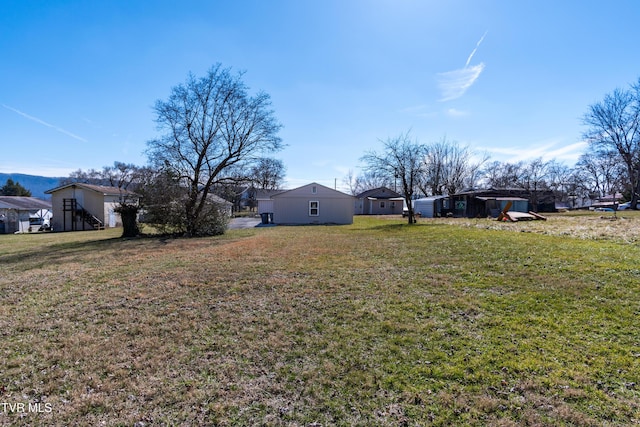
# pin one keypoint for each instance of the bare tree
(603, 172)
(449, 167)
(90, 176)
(613, 125)
(400, 159)
(268, 173)
(121, 175)
(213, 132)
(503, 174)
(368, 180)
(558, 177)
(350, 181)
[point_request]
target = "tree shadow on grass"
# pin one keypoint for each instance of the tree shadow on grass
(41, 256)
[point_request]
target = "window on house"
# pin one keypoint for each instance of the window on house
(314, 208)
(382, 205)
(314, 189)
(393, 205)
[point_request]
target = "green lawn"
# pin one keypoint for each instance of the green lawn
(448, 322)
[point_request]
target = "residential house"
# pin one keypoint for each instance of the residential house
(19, 214)
(310, 204)
(225, 206)
(80, 206)
(379, 201)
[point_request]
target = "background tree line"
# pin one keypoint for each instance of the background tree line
(610, 165)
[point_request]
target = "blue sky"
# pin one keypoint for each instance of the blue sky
(78, 79)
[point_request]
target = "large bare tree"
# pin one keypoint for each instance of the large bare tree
(603, 172)
(449, 167)
(268, 174)
(401, 158)
(613, 125)
(503, 174)
(213, 131)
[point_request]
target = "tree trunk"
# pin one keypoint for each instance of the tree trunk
(129, 216)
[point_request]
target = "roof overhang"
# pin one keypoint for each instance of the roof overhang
(517, 199)
(394, 199)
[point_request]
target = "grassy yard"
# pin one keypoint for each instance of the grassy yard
(448, 322)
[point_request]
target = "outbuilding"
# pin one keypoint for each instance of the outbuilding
(80, 206)
(490, 202)
(430, 207)
(19, 214)
(310, 204)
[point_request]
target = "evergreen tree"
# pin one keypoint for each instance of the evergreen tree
(11, 188)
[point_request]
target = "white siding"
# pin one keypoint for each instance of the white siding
(293, 206)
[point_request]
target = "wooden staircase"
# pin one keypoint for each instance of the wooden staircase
(86, 217)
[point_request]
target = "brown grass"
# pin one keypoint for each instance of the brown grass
(372, 324)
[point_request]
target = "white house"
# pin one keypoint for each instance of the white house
(79, 206)
(19, 214)
(310, 204)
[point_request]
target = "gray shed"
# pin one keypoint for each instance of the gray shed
(312, 204)
(429, 207)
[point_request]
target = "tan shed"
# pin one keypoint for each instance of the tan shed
(81, 206)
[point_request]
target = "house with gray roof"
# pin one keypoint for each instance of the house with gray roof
(379, 201)
(19, 214)
(310, 204)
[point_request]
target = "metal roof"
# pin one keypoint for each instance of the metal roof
(23, 203)
(103, 189)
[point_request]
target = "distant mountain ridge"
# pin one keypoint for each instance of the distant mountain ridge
(34, 183)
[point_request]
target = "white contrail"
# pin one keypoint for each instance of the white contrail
(453, 84)
(475, 49)
(42, 122)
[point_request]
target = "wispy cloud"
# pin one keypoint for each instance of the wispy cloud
(42, 122)
(546, 150)
(453, 112)
(453, 84)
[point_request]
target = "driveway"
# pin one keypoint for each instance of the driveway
(244, 222)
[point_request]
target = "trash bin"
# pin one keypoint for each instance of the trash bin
(265, 217)
(270, 214)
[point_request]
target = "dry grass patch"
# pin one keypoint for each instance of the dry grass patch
(377, 323)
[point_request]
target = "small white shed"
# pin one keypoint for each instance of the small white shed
(428, 207)
(310, 204)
